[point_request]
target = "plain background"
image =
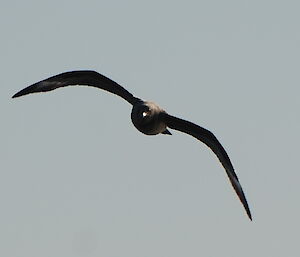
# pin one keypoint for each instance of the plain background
(77, 179)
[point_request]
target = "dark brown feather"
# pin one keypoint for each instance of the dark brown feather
(73, 78)
(212, 142)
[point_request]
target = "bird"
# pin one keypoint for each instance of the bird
(146, 116)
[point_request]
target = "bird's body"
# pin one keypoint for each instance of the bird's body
(146, 116)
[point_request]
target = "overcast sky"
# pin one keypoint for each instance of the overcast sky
(77, 179)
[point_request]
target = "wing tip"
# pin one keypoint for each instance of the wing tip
(17, 94)
(27, 90)
(245, 204)
(249, 214)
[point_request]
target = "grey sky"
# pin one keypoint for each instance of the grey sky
(77, 179)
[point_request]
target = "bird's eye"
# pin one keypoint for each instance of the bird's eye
(146, 113)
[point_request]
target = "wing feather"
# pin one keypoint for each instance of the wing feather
(72, 78)
(212, 142)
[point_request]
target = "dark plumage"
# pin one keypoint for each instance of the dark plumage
(146, 116)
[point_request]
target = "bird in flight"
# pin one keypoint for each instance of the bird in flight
(146, 116)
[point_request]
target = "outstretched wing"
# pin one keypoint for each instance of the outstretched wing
(212, 142)
(72, 78)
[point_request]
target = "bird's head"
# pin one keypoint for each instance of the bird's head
(145, 117)
(141, 114)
